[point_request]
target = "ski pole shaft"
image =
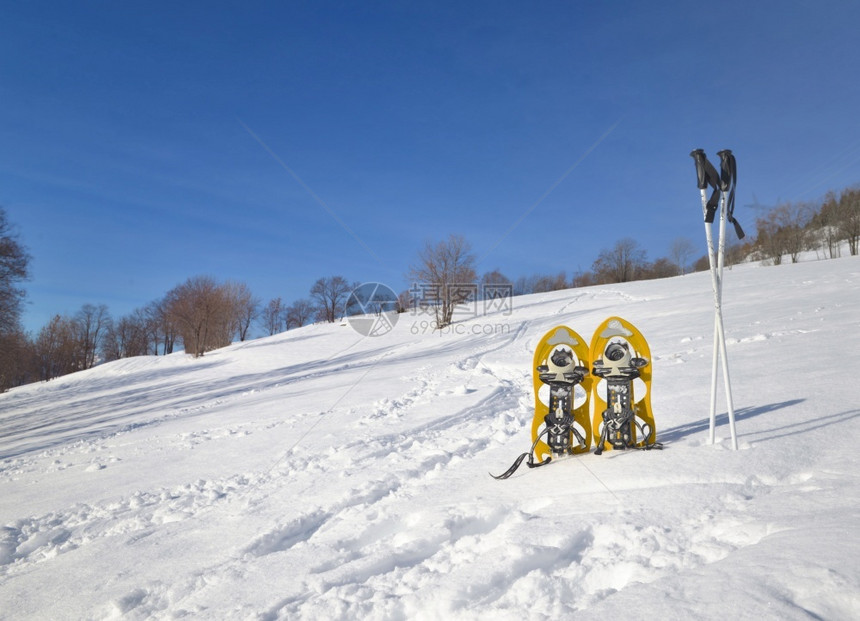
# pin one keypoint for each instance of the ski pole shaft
(715, 284)
(726, 380)
(730, 407)
(715, 365)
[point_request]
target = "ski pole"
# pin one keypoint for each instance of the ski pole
(707, 175)
(718, 336)
(726, 187)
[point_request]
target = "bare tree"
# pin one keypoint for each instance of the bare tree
(770, 244)
(202, 314)
(14, 269)
(738, 251)
(525, 285)
(299, 313)
(494, 285)
(702, 264)
(783, 231)
(15, 351)
(680, 252)
(147, 333)
(15, 360)
(207, 315)
(827, 224)
(584, 279)
(114, 341)
(446, 273)
(132, 335)
(544, 284)
(245, 307)
(792, 219)
(848, 219)
(330, 295)
(495, 277)
(162, 328)
(57, 349)
(91, 322)
(624, 262)
(271, 317)
(405, 301)
(661, 268)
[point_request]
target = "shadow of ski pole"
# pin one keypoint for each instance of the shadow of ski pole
(679, 432)
(806, 426)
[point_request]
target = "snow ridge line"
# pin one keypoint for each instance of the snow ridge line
(185, 400)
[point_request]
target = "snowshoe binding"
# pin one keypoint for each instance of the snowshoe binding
(561, 387)
(622, 417)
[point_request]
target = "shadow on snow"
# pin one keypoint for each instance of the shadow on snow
(673, 434)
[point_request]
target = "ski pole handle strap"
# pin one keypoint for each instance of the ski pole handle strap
(728, 182)
(738, 230)
(711, 207)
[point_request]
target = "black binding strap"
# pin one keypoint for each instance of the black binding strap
(519, 460)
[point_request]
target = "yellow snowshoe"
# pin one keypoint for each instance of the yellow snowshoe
(621, 388)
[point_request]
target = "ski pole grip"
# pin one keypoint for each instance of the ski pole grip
(728, 168)
(702, 178)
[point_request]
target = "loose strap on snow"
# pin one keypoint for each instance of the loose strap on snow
(645, 445)
(519, 460)
(728, 182)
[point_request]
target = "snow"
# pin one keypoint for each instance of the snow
(318, 474)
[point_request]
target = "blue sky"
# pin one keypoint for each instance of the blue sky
(142, 143)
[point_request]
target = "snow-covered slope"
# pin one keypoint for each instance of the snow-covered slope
(321, 475)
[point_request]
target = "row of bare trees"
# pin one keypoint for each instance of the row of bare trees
(624, 261)
(789, 229)
(68, 344)
(446, 272)
(276, 316)
(327, 302)
(14, 269)
(200, 315)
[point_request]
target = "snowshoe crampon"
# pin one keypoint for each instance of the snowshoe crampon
(621, 388)
(612, 404)
(562, 386)
(560, 365)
